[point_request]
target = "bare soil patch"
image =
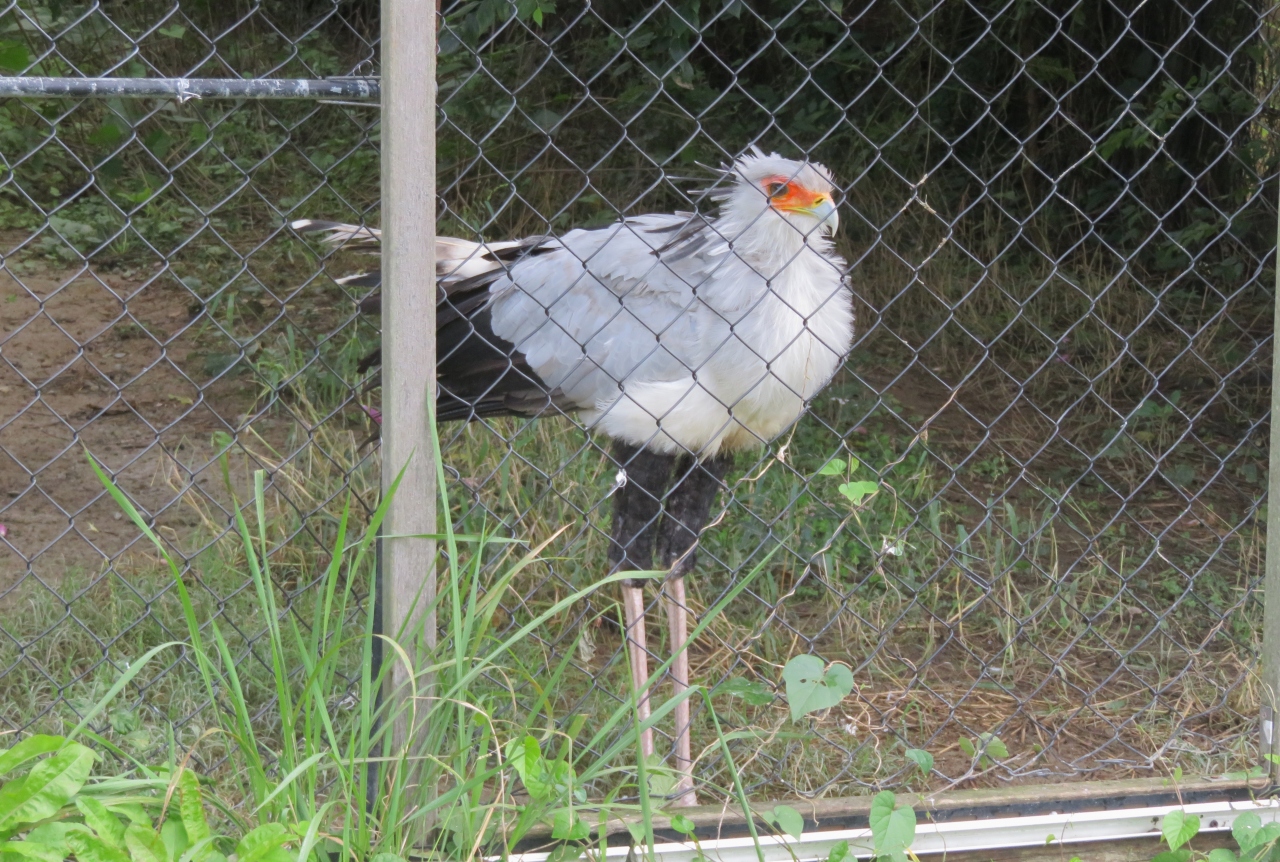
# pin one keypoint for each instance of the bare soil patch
(116, 364)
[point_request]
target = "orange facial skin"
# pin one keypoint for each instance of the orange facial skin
(789, 196)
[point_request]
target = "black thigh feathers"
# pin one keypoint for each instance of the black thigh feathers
(664, 502)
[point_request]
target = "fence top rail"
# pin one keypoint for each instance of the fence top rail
(346, 88)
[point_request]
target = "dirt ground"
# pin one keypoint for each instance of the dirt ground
(117, 365)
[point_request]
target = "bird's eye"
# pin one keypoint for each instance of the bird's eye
(775, 189)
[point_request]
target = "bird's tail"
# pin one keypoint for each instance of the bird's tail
(464, 270)
(456, 259)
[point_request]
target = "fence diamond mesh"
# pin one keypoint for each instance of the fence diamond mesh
(1025, 513)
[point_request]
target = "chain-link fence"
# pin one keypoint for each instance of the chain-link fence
(1026, 512)
(153, 316)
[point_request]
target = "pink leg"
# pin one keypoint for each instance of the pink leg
(633, 605)
(678, 624)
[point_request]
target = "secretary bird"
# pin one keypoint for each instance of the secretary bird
(684, 338)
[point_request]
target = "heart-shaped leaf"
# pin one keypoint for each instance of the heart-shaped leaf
(841, 853)
(544, 780)
(1178, 828)
(662, 779)
(567, 826)
(812, 686)
(921, 758)
(1247, 830)
(525, 756)
(682, 824)
(893, 827)
(1269, 834)
(834, 467)
(858, 491)
(993, 746)
(787, 820)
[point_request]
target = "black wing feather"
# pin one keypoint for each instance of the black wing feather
(478, 372)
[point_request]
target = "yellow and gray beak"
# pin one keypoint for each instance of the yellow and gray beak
(824, 210)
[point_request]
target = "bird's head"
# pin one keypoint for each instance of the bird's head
(781, 196)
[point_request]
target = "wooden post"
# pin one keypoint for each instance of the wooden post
(408, 332)
(1270, 703)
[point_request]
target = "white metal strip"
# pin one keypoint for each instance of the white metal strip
(958, 836)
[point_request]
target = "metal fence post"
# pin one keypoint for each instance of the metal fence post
(1271, 583)
(408, 324)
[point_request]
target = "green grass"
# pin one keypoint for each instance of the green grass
(443, 749)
